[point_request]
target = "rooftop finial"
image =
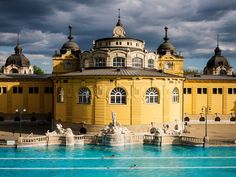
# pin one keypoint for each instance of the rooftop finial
(217, 49)
(70, 36)
(218, 40)
(119, 14)
(18, 38)
(119, 23)
(18, 48)
(166, 36)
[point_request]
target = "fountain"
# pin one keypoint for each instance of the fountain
(116, 135)
(61, 135)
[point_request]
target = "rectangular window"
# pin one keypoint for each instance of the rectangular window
(214, 90)
(20, 89)
(230, 91)
(31, 90)
(48, 90)
(36, 90)
(189, 90)
(4, 89)
(202, 90)
(199, 91)
(219, 90)
(14, 89)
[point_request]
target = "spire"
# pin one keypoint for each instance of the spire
(217, 49)
(118, 14)
(166, 37)
(119, 22)
(18, 48)
(70, 36)
(18, 39)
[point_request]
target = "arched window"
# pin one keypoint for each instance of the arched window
(152, 95)
(84, 95)
(118, 62)
(232, 119)
(137, 62)
(175, 95)
(60, 95)
(202, 119)
(217, 119)
(150, 63)
(13, 70)
(223, 72)
(100, 62)
(118, 96)
(186, 119)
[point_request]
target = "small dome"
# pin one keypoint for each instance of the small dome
(70, 44)
(217, 60)
(18, 58)
(218, 64)
(166, 46)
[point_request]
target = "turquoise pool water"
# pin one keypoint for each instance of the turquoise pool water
(133, 161)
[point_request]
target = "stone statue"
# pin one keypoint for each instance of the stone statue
(114, 127)
(60, 131)
(114, 121)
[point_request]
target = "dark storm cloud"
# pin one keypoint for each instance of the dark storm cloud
(193, 24)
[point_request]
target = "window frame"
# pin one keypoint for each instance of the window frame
(118, 96)
(100, 62)
(120, 63)
(84, 95)
(152, 96)
(60, 95)
(151, 63)
(137, 62)
(175, 95)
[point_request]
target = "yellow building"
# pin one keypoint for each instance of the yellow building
(118, 74)
(30, 92)
(213, 93)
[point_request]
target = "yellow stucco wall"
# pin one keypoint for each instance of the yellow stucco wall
(36, 103)
(135, 111)
(221, 104)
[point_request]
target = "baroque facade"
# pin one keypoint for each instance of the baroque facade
(118, 74)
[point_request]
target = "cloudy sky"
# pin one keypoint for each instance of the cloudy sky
(193, 26)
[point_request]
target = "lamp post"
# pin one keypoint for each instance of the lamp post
(206, 110)
(20, 112)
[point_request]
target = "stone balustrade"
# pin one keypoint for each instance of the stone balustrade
(193, 141)
(32, 141)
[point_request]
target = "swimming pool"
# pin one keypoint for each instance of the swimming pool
(138, 161)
